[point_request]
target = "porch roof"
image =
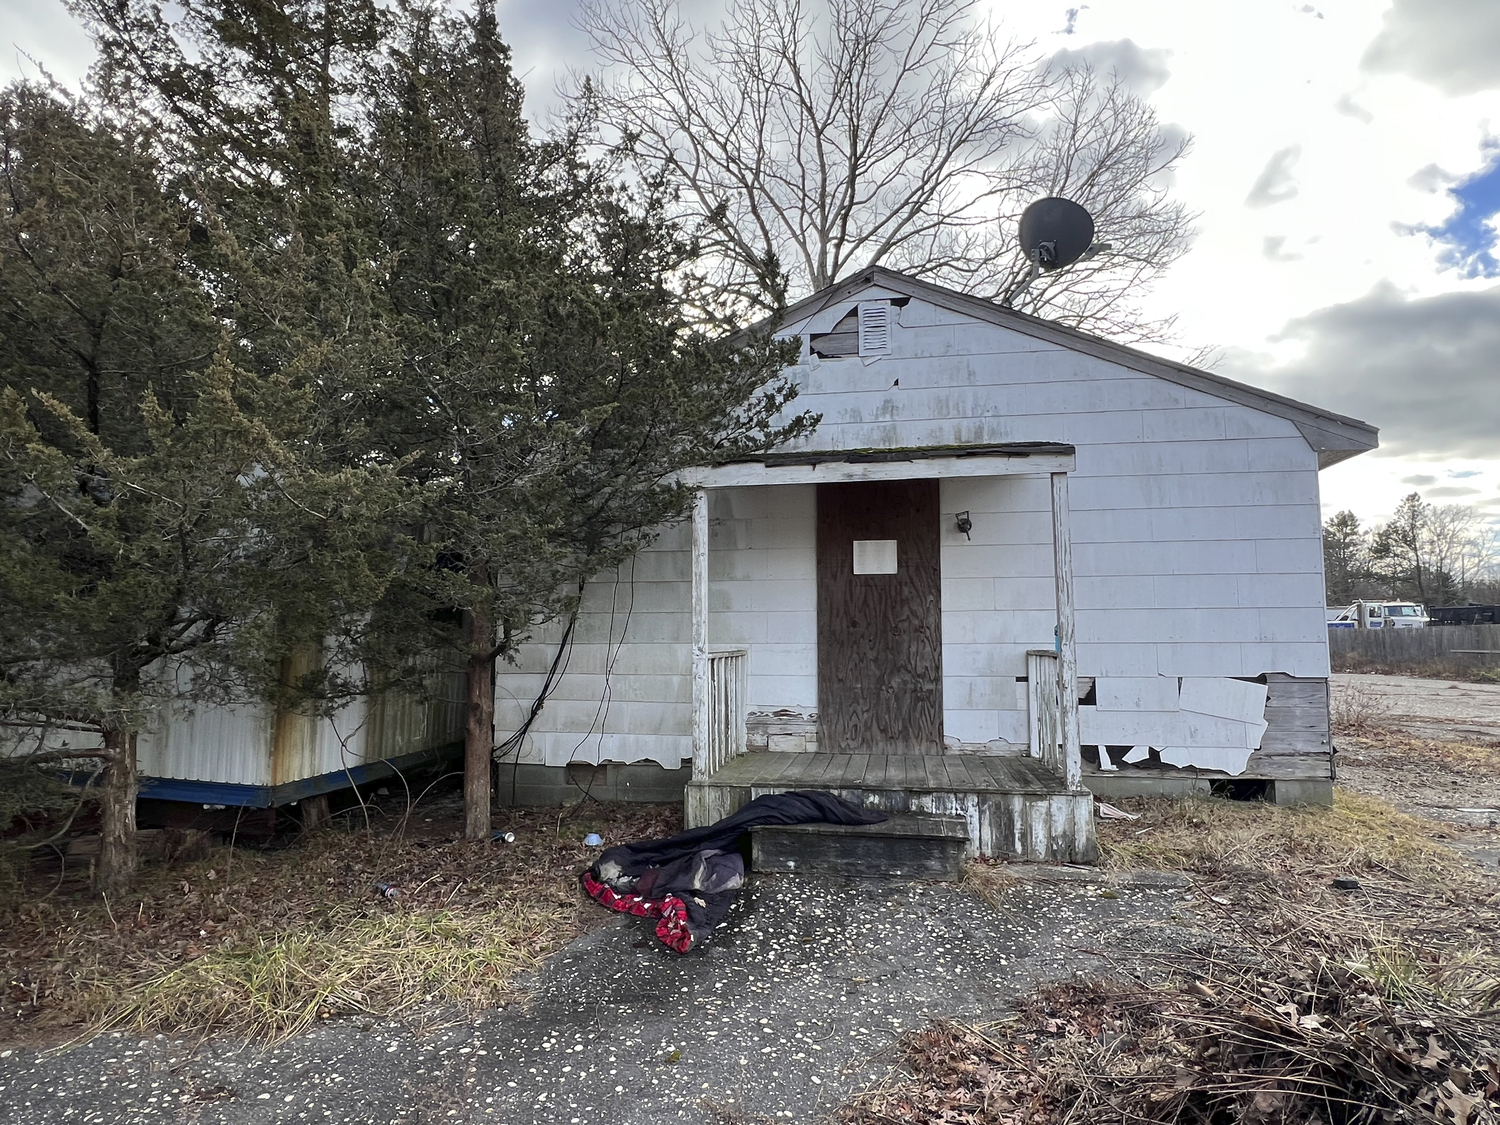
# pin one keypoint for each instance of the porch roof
(836, 466)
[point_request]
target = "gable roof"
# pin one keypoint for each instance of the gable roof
(1334, 437)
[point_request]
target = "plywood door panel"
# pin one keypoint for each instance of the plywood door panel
(880, 646)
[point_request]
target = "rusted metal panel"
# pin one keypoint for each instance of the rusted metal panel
(294, 730)
(256, 745)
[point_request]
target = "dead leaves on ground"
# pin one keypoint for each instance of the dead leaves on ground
(1321, 1045)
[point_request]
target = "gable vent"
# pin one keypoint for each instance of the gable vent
(874, 328)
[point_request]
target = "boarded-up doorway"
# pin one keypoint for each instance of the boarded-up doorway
(880, 634)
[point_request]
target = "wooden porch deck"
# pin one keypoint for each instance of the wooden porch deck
(1014, 805)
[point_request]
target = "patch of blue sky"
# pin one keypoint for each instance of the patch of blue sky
(1469, 236)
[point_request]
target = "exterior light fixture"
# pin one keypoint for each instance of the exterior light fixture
(965, 524)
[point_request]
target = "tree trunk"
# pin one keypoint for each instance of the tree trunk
(118, 789)
(479, 725)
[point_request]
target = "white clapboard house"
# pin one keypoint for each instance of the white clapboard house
(1013, 564)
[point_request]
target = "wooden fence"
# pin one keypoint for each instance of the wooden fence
(1476, 645)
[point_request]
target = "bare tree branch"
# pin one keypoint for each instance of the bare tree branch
(909, 134)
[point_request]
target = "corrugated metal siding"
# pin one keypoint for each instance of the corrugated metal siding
(228, 744)
(254, 745)
(295, 731)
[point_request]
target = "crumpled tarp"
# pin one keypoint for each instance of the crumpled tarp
(688, 881)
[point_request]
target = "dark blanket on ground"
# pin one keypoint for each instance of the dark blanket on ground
(688, 881)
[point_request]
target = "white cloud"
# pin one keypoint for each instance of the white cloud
(1453, 45)
(1143, 70)
(1346, 105)
(1276, 184)
(1273, 247)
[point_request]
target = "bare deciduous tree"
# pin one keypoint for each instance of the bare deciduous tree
(909, 133)
(1461, 544)
(1438, 554)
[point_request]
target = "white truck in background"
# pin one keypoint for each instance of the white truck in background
(1378, 615)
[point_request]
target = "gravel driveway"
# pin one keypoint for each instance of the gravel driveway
(1445, 710)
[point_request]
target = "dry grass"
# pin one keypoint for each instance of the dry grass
(988, 880)
(263, 944)
(1470, 670)
(1215, 837)
(1480, 760)
(1425, 921)
(1320, 1044)
(1356, 708)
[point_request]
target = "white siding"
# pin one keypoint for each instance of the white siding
(1196, 533)
(626, 694)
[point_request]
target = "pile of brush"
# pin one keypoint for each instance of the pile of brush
(1295, 1041)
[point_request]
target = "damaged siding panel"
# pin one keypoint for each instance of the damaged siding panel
(1308, 659)
(1217, 658)
(1129, 728)
(229, 744)
(1221, 725)
(1137, 693)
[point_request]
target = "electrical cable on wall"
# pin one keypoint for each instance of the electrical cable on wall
(555, 672)
(607, 696)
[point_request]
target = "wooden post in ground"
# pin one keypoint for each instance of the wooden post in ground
(314, 811)
(700, 634)
(1067, 655)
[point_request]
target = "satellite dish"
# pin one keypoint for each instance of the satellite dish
(1055, 232)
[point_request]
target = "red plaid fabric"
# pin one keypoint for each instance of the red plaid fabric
(672, 926)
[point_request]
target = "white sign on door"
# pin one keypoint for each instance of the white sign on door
(874, 556)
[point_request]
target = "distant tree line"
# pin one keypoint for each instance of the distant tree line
(1435, 554)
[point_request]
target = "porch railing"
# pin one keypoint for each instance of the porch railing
(1044, 711)
(727, 707)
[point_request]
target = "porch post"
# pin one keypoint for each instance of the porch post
(700, 633)
(1067, 656)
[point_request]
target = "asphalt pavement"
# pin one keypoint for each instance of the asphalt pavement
(794, 1005)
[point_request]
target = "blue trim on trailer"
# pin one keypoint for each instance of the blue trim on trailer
(270, 796)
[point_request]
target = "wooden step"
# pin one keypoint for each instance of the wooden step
(907, 847)
(1014, 806)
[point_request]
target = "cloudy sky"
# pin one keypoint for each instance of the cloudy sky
(1346, 168)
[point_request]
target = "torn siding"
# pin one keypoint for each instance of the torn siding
(1211, 723)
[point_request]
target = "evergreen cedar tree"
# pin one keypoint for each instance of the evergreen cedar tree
(161, 503)
(309, 346)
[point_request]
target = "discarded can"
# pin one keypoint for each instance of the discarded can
(503, 838)
(386, 890)
(593, 840)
